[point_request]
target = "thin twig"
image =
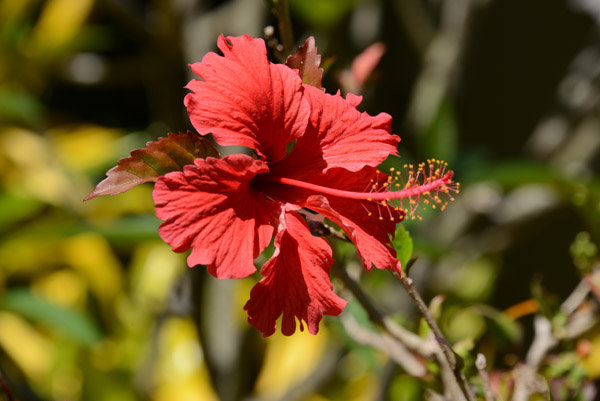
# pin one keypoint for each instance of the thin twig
(481, 365)
(576, 298)
(285, 26)
(409, 339)
(527, 380)
(452, 388)
(399, 333)
(385, 343)
(374, 315)
(416, 297)
(439, 337)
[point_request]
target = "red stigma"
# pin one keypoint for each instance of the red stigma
(427, 185)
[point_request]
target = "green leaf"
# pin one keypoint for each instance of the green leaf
(405, 388)
(584, 252)
(506, 332)
(322, 13)
(307, 61)
(354, 308)
(72, 323)
(155, 160)
(16, 208)
(19, 107)
(403, 244)
(549, 304)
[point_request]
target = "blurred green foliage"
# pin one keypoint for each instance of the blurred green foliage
(93, 306)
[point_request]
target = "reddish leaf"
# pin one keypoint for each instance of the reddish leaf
(155, 160)
(363, 65)
(307, 61)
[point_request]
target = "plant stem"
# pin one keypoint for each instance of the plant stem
(481, 365)
(400, 334)
(439, 337)
(409, 339)
(285, 27)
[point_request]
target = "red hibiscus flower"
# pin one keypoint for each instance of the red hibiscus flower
(312, 152)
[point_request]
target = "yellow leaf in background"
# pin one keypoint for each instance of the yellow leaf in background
(26, 346)
(28, 255)
(105, 355)
(180, 352)
(289, 360)
(67, 382)
(365, 388)
(241, 294)
(59, 24)
(590, 359)
(31, 169)
(103, 209)
(355, 369)
(195, 387)
(153, 271)
(180, 371)
(91, 255)
(315, 397)
(63, 287)
(85, 147)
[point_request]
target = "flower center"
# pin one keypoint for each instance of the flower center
(428, 184)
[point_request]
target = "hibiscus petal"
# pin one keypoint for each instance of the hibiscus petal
(338, 136)
(370, 235)
(296, 282)
(368, 224)
(212, 208)
(245, 100)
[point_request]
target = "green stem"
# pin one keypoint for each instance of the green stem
(285, 26)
